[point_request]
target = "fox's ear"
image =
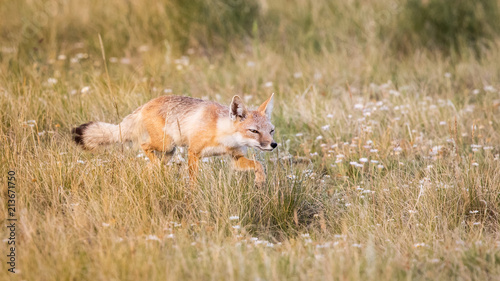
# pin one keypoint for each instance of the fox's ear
(237, 109)
(267, 107)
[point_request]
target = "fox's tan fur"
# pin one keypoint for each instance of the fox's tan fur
(206, 128)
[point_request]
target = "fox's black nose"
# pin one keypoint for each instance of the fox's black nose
(274, 145)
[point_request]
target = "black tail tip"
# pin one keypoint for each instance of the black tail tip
(78, 133)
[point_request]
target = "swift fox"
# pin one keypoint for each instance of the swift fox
(207, 128)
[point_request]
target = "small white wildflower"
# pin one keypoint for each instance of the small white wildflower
(80, 162)
(475, 164)
(380, 166)
(447, 75)
(152, 237)
(476, 223)
(442, 123)
(247, 98)
(82, 56)
(104, 224)
(374, 161)
(476, 91)
(329, 116)
(236, 227)
(325, 128)
(268, 84)
(233, 218)
(299, 134)
(170, 236)
(489, 88)
(305, 235)
(143, 48)
(418, 245)
(394, 92)
(356, 245)
(363, 160)
(373, 150)
(297, 75)
(319, 137)
(473, 212)
(52, 81)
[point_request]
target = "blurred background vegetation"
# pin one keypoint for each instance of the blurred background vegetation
(299, 27)
(409, 88)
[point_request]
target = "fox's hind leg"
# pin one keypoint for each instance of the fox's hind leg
(149, 151)
(166, 147)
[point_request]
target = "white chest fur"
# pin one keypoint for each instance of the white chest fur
(214, 151)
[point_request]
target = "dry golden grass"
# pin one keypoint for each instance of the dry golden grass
(403, 180)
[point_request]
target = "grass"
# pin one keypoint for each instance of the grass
(402, 178)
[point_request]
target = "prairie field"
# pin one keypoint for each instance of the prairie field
(387, 117)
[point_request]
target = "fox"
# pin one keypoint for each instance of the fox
(206, 128)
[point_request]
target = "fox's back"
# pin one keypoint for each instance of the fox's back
(183, 117)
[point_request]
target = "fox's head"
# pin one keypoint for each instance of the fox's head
(254, 125)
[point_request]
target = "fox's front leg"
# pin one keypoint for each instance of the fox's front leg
(241, 163)
(193, 160)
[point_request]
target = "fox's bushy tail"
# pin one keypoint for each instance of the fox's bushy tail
(95, 134)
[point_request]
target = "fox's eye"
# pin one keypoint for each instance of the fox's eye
(253, 131)
(272, 132)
